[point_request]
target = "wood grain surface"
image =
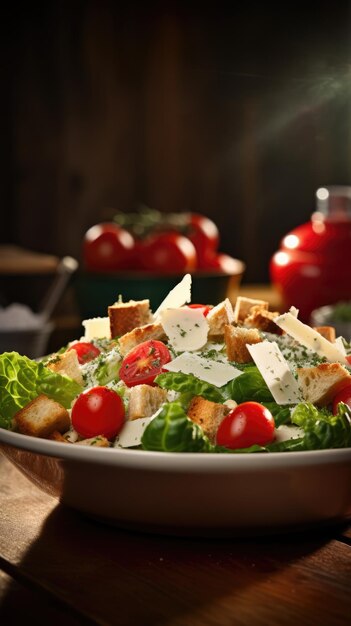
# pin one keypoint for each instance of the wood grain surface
(62, 567)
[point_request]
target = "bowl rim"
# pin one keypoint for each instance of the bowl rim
(180, 462)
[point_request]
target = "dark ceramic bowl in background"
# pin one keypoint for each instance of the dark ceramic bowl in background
(95, 292)
(327, 316)
(27, 342)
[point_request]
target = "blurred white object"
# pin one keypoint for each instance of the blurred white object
(18, 316)
(23, 331)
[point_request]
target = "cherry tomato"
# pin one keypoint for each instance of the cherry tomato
(344, 395)
(204, 234)
(85, 351)
(206, 308)
(248, 424)
(348, 359)
(144, 362)
(107, 247)
(168, 252)
(98, 411)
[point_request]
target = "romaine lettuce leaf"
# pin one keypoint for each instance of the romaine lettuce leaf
(173, 431)
(248, 386)
(22, 380)
(323, 429)
(189, 384)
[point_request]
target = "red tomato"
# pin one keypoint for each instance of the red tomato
(85, 351)
(142, 364)
(224, 263)
(107, 247)
(206, 308)
(168, 252)
(204, 234)
(248, 424)
(344, 395)
(348, 358)
(98, 411)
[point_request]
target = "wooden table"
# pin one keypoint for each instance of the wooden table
(60, 568)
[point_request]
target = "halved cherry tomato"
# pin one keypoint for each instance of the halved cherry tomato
(107, 247)
(204, 234)
(206, 308)
(248, 424)
(344, 395)
(98, 411)
(142, 364)
(168, 252)
(85, 350)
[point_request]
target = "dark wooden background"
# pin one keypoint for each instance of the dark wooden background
(237, 113)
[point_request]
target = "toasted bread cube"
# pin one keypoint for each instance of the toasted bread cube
(67, 364)
(98, 442)
(124, 316)
(236, 339)
(218, 317)
(320, 384)
(41, 417)
(263, 320)
(328, 332)
(144, 400)
(151, 331)
(243, 307)
(56, 436)
(207, 414)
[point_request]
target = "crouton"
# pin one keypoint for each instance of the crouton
(207, 414)
(263, 320)
(131, 339)
(41, 417)
(67, 364)
(236, 339)
(144, 400)
(243, 307)
(218, 317)
(320, 384)
(328, 332)
(56, 436)
(124, 316)
(98, 442)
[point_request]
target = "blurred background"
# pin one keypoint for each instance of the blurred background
(237, 113)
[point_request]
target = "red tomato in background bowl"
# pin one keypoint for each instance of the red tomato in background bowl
(203, 233)
(168, 252)
(108, 247)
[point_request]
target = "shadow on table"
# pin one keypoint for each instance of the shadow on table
(99, 574)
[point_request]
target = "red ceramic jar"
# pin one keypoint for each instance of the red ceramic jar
(313, 265)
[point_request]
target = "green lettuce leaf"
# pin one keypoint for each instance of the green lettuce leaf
(323, 429)
(173, 431)
(22, 380)
(189, 384)
(248, 386)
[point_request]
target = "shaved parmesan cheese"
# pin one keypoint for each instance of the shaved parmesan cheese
(97, 328)
(210, 371)
(340, 345)
(276, 372)
(187, 329)
(132, 432)
(309, 338)
(179, 295)
(284, 433)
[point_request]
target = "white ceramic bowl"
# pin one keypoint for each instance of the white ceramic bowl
(198, 494)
